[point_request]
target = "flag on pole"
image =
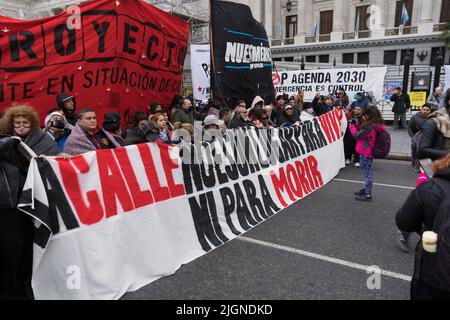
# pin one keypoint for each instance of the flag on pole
(405, 15)
(315, 30)
(281, 31)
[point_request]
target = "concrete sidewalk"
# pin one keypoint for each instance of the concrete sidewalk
(400, 144)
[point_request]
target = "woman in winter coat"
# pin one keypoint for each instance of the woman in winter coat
(365, 135)
(20, 123)
(288, 117)
(418, 214)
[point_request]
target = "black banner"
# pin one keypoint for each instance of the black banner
(421, 81)
(241, 56)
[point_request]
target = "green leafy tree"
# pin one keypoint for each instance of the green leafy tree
(446, 35)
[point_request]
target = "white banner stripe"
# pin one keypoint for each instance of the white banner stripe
(326, 258)
(375, 184)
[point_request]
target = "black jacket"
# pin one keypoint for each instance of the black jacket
(319, 108)
(286, 120)
(239, 123)
(275, 116)
(401, 103)
(418, 213)
(416, 123)
(69, 114)
(433, 143)
(13, 168)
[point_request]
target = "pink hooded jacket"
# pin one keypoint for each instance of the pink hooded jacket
(365, 138)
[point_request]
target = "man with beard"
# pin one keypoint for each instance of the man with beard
(415, 127)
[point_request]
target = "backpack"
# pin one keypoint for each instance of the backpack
(382, 145)
(441, 226)
(416, 138)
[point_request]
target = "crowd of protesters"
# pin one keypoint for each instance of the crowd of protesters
(68, 131)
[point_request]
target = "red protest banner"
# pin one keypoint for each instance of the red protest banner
(111, 55)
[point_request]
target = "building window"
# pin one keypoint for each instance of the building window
(324, 58)
(398, 12)
(434, 53)
(326, 22)
(348, 58)
(289, 59)
(445, 11)
(311, 59)
(291, 26)
(363, 58)
(390, 57)
(402, 56)
(363, 13)
(276, 59)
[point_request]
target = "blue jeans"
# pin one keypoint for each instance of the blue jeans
(366, 165)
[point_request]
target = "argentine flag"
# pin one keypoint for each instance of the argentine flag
(405, 15)
(314, 31)
(357, 26)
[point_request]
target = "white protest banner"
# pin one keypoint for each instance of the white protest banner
(200, 66)
(326, 81)
(112, 221)
(447, 78)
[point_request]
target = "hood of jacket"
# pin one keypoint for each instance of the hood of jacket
(63, 97)
(256, 100)
(442, 119)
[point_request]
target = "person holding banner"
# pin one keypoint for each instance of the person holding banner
(261, 119)
(225, 116)
(277, 110)
(87, 137)
(241, 119)
(402, 103)
(111, 124)
(365, 135)
(288, 118)
(57, 128)
(20, 123)
(321, 108)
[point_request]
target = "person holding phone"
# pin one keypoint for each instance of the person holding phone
(57, 127)
(418, 214)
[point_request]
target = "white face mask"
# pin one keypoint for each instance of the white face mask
(21, 131)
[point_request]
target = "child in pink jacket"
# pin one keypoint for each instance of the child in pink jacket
(365, 135)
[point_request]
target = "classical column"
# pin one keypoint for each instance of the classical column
(268, 18)
(309, 16)
(378, 14)
(338, 20)
(276, 30)
(301, 22)
(425, 25)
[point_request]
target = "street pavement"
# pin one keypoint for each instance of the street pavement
(318, 248)
(400, 144)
